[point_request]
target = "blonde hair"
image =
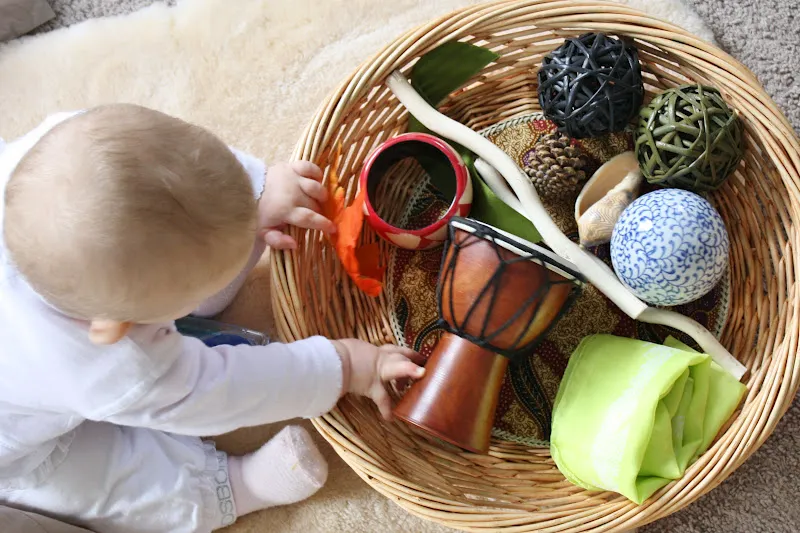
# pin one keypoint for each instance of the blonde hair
(122, 213)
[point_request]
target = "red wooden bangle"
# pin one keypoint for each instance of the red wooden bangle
(404, 146)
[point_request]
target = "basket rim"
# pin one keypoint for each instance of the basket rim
(777, 379)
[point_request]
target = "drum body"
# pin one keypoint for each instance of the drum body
(497, 295)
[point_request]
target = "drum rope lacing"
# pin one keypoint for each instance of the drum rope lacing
(529, 308)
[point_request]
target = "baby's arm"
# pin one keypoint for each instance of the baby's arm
(256, 171)
(295, 196)
(210, 391)
(220, 301)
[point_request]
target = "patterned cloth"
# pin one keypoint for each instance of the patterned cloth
(526, 401)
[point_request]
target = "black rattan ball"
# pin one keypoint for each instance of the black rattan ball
(592, 85)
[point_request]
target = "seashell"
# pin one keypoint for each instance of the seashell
(605, 196)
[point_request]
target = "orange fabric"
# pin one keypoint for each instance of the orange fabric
(363, 264)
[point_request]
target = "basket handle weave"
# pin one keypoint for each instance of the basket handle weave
(590, 266)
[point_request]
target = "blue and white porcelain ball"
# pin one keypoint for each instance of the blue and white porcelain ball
(670, 247)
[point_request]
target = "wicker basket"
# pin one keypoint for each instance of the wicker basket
(516, 488)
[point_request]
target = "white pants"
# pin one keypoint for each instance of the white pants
(16, 521)
(131, 480)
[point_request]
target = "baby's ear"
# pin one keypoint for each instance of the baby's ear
(108, 331)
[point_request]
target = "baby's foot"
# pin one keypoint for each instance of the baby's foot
(287, 469)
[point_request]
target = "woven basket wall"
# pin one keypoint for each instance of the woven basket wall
(515, 488)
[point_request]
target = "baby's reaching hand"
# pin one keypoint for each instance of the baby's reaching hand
(292, 195)
(367, 367)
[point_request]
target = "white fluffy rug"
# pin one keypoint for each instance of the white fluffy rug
(253, 71)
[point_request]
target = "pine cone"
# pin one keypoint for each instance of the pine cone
(556, 167)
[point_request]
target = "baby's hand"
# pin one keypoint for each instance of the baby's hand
(367, 367)
(292, 195)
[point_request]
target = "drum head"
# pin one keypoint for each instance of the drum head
(501, 292)
(519, 246)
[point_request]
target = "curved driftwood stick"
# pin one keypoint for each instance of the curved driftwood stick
(590, 266)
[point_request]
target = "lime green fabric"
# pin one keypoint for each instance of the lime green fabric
(630, 415)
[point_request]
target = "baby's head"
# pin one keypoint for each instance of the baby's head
(125, 215)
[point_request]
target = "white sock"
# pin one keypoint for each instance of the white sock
(287, 469)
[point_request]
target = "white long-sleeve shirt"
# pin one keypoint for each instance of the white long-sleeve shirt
(52, 378)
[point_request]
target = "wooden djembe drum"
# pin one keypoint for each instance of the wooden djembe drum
(497, 296)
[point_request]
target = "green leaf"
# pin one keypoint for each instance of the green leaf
(437, 74)
(440, 170)
(441, 174)
(490, 209)
(446, 68)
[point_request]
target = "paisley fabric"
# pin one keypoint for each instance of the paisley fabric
(526, 401)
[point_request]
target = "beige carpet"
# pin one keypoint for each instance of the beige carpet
(253, 71)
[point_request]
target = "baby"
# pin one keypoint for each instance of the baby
(115, 222)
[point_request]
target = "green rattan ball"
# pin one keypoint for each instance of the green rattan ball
(689, 138)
